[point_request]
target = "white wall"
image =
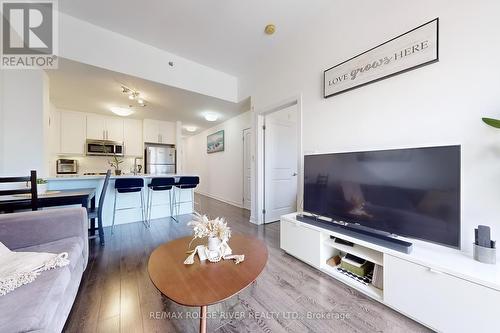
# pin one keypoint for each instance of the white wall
(25, 119)
(221, 174)
(434, 105)
(87, 43)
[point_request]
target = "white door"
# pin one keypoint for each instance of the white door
(114, 129)
(247, 164)
(96, 127)
(280, 163)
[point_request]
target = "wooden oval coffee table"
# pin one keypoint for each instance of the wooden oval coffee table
(205, 283)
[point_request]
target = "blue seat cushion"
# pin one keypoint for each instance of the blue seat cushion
(187, 182)
(160, 188)
(132, 184)
(129, 190)
(161, 183)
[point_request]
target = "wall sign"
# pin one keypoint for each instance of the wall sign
(215, 142)
(413, 49)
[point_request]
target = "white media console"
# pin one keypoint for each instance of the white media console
(444, 289)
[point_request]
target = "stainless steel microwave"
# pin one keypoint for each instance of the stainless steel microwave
(103, 148)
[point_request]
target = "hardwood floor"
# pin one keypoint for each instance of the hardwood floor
(116, 294)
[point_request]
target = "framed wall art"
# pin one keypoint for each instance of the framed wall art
(215, 142)
(413, 49)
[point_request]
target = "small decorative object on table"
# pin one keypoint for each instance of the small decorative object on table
(484, 248)
(41, 186)
(217, 233)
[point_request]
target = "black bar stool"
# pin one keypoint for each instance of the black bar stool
(185, 182)
(129, 185)
(97, 213)
(156, 185)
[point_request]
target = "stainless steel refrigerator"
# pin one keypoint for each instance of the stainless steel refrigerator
(160, 159)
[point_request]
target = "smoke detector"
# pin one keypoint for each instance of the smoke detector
(270, 29)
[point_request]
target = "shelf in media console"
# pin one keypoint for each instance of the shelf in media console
(372, 237)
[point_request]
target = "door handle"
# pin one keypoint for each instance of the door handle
(294, 174)
(435, 271)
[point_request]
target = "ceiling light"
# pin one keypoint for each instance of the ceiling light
(191, 128)
(121, 111)
(133, 94)
(211, 117)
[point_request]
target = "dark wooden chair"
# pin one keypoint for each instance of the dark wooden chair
(31, 179)
(96, 213)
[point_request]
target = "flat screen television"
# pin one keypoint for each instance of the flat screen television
(408, 192)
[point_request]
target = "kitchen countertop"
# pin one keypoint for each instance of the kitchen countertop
(92, 177)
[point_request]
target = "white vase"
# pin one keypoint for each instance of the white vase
(213, 243)
(41, 188)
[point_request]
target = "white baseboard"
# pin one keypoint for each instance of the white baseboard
(253, 220)
(229, 202)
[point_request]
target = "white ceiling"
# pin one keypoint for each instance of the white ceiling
(227, 35)
(85, 88)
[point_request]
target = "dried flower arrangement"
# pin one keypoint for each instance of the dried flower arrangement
(203, 227)
(218, 234)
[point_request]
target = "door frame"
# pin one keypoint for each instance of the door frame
(243, 163)
(258, 188)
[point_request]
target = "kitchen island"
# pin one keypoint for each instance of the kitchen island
(129, 202)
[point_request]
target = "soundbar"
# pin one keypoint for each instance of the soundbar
(359, 233)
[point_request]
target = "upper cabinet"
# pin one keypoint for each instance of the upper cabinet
(104, 128)
(54, 131)
(167, 132)
(133, 137)
(114, 128)
(151, 131)
(72, 133)
(157, 131)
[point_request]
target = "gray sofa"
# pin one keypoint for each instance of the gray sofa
(44, 305)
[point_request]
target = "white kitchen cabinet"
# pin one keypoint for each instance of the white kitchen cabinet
(167, 132)
(151, 130)
(73, 133)
(104, 128)
(114, 129)
(132, 129)
(157, 131)
(54, 131)
(96, 127)
(443, 302)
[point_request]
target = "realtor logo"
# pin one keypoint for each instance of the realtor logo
(29, 34)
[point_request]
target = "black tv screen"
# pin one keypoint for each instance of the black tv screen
(409, 192)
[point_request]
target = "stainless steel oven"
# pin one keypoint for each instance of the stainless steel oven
(103, 148)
